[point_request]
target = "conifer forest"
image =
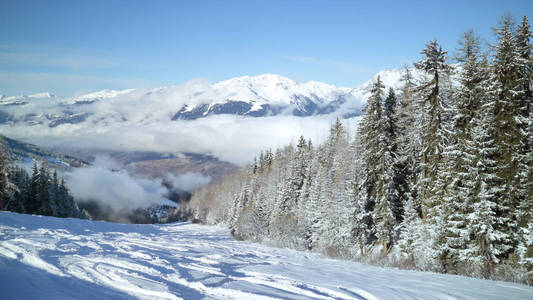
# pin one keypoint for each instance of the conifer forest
(436, 177)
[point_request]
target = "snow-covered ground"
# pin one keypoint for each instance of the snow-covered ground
(51, 258)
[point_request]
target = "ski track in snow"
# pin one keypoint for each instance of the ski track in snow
(51, 258)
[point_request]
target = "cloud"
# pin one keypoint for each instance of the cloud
(141, 121)
(116, 189)
(188, 181)
(230, 138)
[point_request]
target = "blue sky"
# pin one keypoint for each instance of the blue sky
(72, 47)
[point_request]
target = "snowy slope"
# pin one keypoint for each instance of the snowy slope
(25, 99)
(274, 89)
(50, 258)
(266, 95)
(97, 96)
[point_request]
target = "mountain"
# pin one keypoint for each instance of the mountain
(160, 165)
(253, 96)
(250, 96)
(164, 169)
(96, 96)
(21, 152)
(54, 258)
(25, 99)
(231, 120)
(268, 95)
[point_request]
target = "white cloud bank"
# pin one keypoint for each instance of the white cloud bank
(231, 138)
(188, 181)
(141, 121)
(108, 184)
(115, 189)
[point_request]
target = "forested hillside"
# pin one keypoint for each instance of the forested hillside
(40, 193)
(438, 177)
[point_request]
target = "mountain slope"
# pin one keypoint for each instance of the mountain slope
(255, 96)
(254, 112)
(267, 95)
(20, 152)
(44, 257)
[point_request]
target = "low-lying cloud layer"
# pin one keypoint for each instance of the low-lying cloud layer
(187, 182)
(106, 183)
(117, 190)
(231, 138)
(140, 120)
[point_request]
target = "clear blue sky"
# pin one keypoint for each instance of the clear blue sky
(70, 47)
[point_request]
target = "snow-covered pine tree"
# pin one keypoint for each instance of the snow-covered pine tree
(369, 133)
(358, 191)
(66, 206)
(525, 209)
(316, 213)
(19, 180)
(523, 35)
(398, 190)
(433, 136)
(409, 139)
(339, 208)
(525, 80)
(412, 240)
(388, 211)
(489, 240)
(508, 134)
(48, 205)
(33, 202)
(461, 151)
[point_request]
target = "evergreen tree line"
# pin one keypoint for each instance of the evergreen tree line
(438, 177)
(41, 193)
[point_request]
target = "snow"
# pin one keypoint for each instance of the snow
(273, 89)
(99, 95)
(52, 258)
(42, 95)
(21, 98)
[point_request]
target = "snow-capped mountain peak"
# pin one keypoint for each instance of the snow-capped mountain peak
(97, 96)
(24, 99)
(42, 95)
(274, 89)
(251, 96)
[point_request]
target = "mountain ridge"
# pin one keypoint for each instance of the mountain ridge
(251, 96)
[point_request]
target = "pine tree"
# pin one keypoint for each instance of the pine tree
(409, 140)
(33, 202)
(48, 206)
(433, 137)
(369, 133)
(412, 240)
(507, 132)
(489, 238)
(523, 35)
(360, 230)
(460, 154)
(388, 211)
(18, 181)
(525, 163)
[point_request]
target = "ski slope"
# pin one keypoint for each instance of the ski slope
(51, 258)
